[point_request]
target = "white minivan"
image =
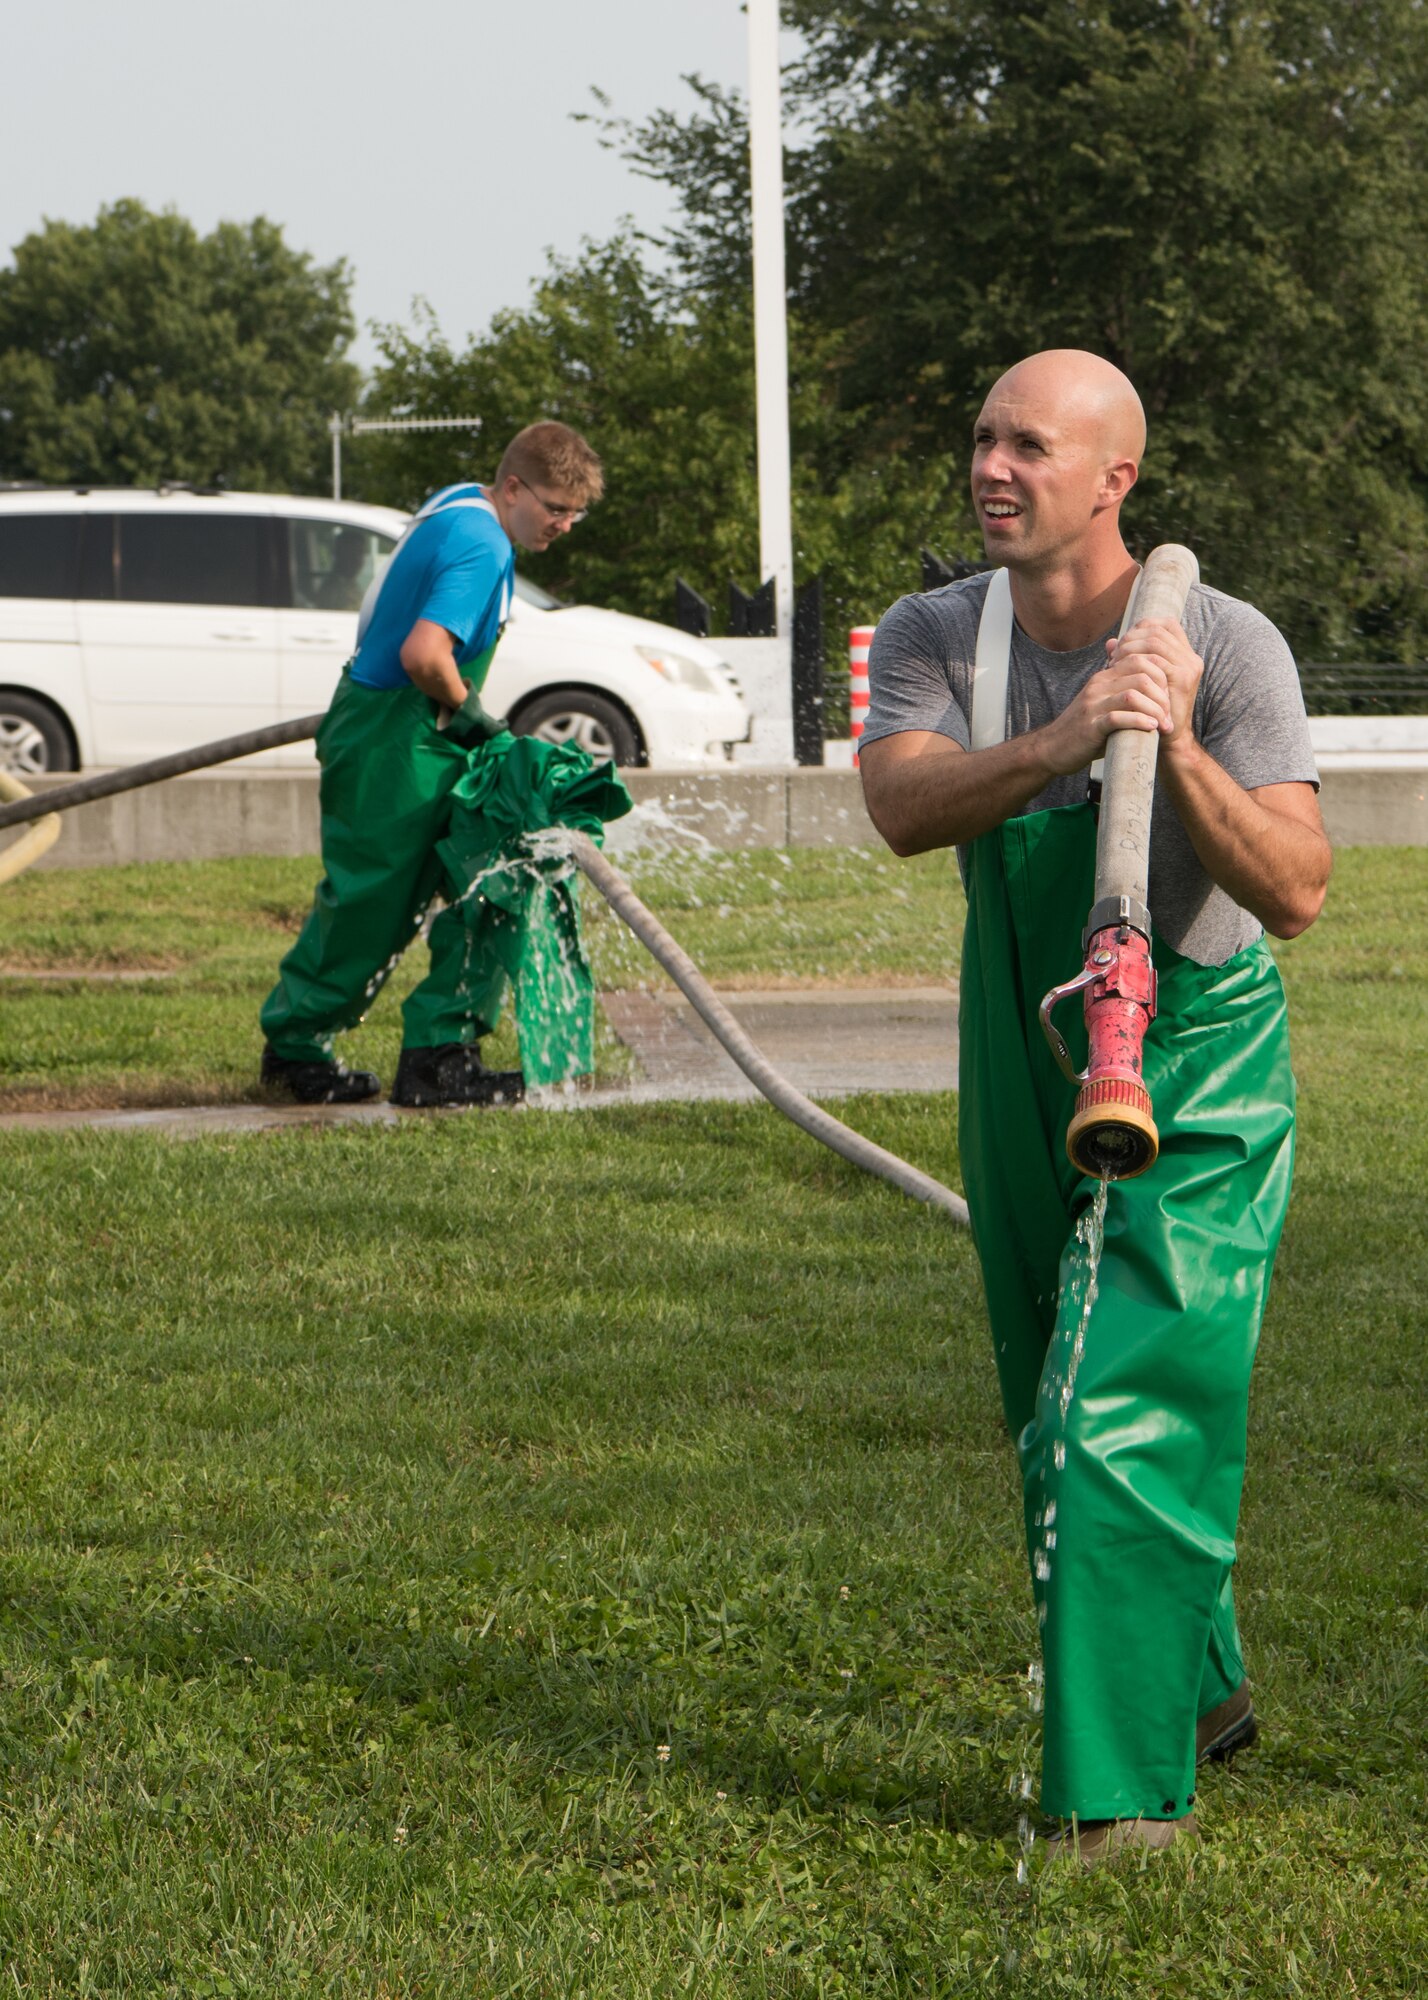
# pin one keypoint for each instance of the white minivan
(134, 623)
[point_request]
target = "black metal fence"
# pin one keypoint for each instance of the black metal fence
(753, 616)
(1367, 687)
(1332, 687)
(820, 706)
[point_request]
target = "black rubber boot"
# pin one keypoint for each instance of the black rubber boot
(318, 1082)
(1226, 1729)
(453, 1074)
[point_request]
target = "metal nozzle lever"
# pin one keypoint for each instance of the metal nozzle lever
(1052, 1001)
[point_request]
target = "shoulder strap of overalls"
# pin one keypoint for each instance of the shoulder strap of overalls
(993, 668)
(439, 503)
(989, 675)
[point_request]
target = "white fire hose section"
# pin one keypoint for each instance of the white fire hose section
(760, 1072)
(37, 839)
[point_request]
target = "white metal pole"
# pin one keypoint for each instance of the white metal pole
(336, 429)
(770, 310)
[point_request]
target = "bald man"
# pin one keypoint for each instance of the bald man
(1126, 1392)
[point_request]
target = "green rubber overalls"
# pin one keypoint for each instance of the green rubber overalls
(1129, 1405)
(387, 775)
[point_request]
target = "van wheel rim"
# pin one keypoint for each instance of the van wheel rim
(23, 750)
(582, 730)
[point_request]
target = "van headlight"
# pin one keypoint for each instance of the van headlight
(680, 671)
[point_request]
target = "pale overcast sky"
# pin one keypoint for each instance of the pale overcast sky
(430, 143)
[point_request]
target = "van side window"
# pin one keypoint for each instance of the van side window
(38, 554)
(96, 559)
(332, 563)
(192, 559)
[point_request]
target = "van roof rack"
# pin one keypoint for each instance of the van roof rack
(98, 486)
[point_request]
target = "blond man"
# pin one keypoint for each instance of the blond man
(405, 717)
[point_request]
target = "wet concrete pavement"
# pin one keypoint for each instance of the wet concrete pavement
(828, 1042)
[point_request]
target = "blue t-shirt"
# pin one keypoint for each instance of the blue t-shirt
(454, 565)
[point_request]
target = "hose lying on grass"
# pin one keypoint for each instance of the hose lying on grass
(617, 892)
(760, 1072)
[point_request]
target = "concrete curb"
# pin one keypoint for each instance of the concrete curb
(216, 815)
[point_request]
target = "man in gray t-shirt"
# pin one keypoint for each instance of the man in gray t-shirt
(1125, 1381)
(1248, 714)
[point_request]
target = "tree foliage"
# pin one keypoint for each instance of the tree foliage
(665, 398)
(659, 375)
(133, 349)
(1227, 199)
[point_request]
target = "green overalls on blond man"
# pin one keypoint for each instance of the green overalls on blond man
(388, 772)
(408, 814)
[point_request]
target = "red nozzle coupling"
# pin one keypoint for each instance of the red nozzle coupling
(1119, 1003)
(1112, 1131)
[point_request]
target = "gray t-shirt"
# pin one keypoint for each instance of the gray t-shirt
(1249, 714)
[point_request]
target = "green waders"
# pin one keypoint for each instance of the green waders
(1131, 1482)
(387, 776)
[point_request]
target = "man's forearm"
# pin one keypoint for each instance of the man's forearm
(1272, 863)
(437, 676)
(947, 795)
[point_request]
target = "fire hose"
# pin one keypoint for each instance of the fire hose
(756, 1067)
(1112, 1132)
(611, 884)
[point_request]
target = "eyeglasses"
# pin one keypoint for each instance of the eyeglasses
(561, 514)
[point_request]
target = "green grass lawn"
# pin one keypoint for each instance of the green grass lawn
(210, 936)
(577, 1553)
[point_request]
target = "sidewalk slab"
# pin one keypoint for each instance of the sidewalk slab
(833, 1042)
(827, 1042)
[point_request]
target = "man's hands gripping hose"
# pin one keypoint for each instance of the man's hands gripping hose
(1149, 683)
(471, 726)
(925, 791)
(1159, 648)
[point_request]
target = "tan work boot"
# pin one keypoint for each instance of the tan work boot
(1226, 1729)
(1091, 1843)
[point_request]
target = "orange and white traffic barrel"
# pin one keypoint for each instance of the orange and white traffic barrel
(859, 640)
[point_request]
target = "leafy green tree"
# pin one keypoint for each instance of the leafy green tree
(133, 349)
(1226, 198)
(659, 376)
(665, 398)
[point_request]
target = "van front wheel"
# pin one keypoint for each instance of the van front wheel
(573, 715)
(33, 740)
